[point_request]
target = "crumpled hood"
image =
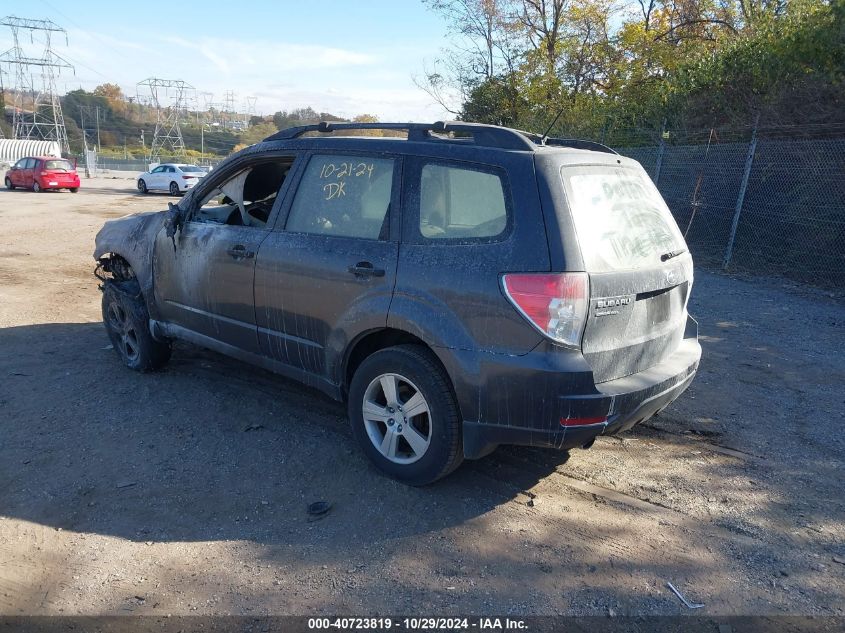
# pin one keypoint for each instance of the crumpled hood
(126, 229)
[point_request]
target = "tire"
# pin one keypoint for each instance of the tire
(36, 187)
(9, 184)
(74, 189)
(142, 186)
(128, 326)
(174, 189)
(436, 448)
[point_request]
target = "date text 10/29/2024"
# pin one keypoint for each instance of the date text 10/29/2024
(417, 624)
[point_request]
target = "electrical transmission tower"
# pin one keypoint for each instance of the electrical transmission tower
(2, 102)
(229, 109)
(169, 98)
(205, 100)
(250, 109)
(37, 108)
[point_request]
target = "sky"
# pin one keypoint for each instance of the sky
(344, 57)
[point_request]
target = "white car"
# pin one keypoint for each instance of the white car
(173, 177)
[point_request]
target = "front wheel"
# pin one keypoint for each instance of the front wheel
(128, 326)
(404, 415)
(36, 187)
(174, 189)
(9, 184)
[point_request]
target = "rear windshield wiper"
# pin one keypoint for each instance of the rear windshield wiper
(665, 257)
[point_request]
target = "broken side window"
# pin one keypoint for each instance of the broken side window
(247, 198)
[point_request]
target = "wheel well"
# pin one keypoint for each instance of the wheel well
(373, 342)
(113, 267)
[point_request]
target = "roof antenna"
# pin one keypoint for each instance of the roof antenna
(551, 125)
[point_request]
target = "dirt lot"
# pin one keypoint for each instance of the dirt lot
(185, 491)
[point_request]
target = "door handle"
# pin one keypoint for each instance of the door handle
(365, 269)
(239, 252)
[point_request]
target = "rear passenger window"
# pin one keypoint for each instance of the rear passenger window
(345, 196)
(460, 203)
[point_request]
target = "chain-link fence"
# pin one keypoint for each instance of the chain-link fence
(767, 204)
(139, 165)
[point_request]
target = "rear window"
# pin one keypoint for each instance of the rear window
(191, 168)
(620, 218)
(58, 164)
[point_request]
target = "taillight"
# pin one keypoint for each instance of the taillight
(188, 177)
(554, 303)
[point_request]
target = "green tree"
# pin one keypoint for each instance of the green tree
(256, 133)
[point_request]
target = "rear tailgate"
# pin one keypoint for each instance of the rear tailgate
(639, 268)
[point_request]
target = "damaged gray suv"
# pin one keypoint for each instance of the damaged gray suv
(464, 287)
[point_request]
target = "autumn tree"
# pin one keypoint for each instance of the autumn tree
(603, 64)
(483, 49)
(113, 95)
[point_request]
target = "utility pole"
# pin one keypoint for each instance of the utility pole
(86, 153)
(42, 118)
(99, 147)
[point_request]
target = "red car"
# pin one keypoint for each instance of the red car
(40, 173)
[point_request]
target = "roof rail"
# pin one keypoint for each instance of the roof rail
(482, 134)
(485, 135)
(579, 144)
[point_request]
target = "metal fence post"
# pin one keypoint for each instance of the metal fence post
(749, 161)
(660, 149)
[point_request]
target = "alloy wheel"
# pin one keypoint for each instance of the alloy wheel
(121, 325)
(397, 418)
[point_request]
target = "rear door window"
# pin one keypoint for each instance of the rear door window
(461, 203)
(344, 196)
(620, 218)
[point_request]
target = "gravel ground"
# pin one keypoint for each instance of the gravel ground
(185, 491)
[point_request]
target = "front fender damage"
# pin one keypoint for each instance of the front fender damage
(132, 238)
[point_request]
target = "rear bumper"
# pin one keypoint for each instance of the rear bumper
(532, 416)
(59, 183)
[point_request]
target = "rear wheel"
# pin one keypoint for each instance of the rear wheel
(128, 326)
(404, 415)
(36, 187)
(142, 186)
(174, 189)
(9, 184)
(74, 189)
